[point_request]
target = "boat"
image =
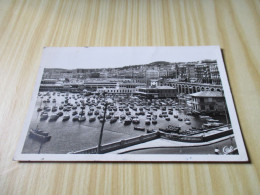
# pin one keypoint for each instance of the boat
(75, 118)
(204, 117)
(92, 119)
(127, 122)
(214, 124)
(44, 116)
(108, 116)
(139, 128)
(122, 116)
(212, 120)
(81, 118)
(74, 112)
(66, 117)
(60, 113)
(187, 122)
(39, 109)
(39, 135)
(171, 129)
(54, 117)
(54, 109)
(147, 122)
(102, 119)
(136, 120)
(154, 121)
(113, 120)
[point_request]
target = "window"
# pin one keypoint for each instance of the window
(202, 107)
(211, 107)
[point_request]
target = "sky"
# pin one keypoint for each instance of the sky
(111, 57)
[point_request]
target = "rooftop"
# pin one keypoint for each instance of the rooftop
(207, 94)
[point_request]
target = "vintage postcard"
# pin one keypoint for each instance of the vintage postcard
(132, 104)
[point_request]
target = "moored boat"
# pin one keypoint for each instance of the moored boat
(139, 128)
(92, 119)
(113, 120)
(54, 117)
(39, 135)
(82, 118)
(44, 116)
(66, 117)
(147, 122)
(75, 118)
(127, 122)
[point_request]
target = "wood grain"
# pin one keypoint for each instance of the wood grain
(29, 25)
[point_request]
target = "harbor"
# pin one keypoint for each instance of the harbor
(72, 121)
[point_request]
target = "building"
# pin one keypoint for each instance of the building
(122, 88)
(208, 102)
(152, 74)
(48, 81)
(157, 92)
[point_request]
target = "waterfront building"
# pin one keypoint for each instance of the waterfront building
(208, 102)
(48, 81)
(122, 88)
(157, 92)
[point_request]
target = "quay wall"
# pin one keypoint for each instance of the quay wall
(151, 136)
(195, 139)
(120, 144)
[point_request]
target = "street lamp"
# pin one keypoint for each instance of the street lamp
(107, 102)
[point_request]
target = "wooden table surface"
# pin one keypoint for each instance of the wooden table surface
(28, 26)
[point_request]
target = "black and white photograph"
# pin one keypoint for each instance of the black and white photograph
(139, 104)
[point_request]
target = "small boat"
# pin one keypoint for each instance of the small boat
(54, 117)
(139, 128)
(147, 122)
(187, 122)
(204, 117)
(44, 116)
(127, 122)
(117, 116)
(113, 120)
(136, 120)
(74, 112)
(39, 109)
(39, 135)
(66, 117)
(102, 120)
(108, 116)
(171, 129)
(75, 118)
(122, 117)
(212, 120)
(92, 119)
(54, 109)
(154, 121)
(212, 124)
(60, 113)
(82, 118)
